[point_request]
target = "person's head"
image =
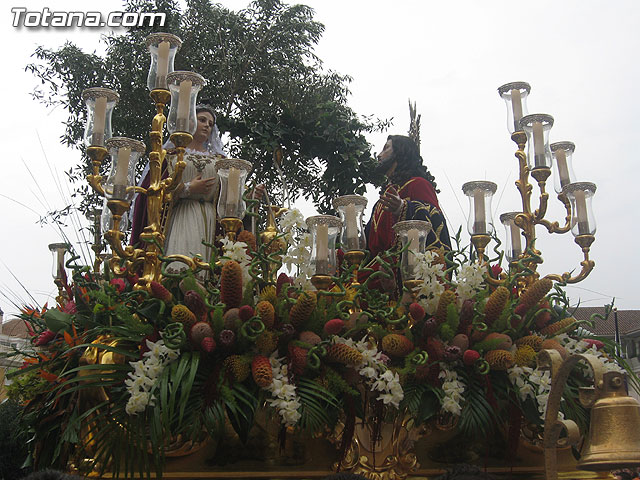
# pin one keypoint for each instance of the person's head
(463, 471)
(206, 121)
(400, 160)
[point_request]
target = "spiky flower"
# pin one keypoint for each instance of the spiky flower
(533, 295)
(180, 313)
(303, 308)
(495, 304)
(159, 291)
(298, 357)
(249, 238)
(227, 338)
(238, 366)
(551, 330)
(195, 303)
(525, 356)
(447, 298)
(551, 344)
(267, 342)
(499, 359)
(342, 353)
(534, 341)
(231, 284)
(334, 326)
(261, 371)
(396, 345)
(266, 312)
(269, 294)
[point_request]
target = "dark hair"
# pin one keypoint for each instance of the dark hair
(206, 108)
(407, 155)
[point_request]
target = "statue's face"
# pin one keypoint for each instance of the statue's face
(386, 152)
(205, 126)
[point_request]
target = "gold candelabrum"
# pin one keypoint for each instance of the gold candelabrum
(532, 131)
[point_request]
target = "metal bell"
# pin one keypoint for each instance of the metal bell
(614, 435)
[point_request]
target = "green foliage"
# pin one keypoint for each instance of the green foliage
(449, 328)
(477, 414)
(264, 80)
(318, 406)
(13, 440)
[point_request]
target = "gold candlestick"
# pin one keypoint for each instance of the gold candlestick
(231, 227)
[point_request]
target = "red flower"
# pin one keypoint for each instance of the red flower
(118, 283)
(44, 338)
(70, 307)
(496, 270)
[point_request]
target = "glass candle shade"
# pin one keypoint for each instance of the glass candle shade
(106, 220)
(582, 220)
(233, 174)
(515, 95)
(184, 88)
(163, 48)
(58, 251)
(351, 211)
(480, 194)
(537, 127)
(100, 103)
(414, 234)
(514, 245)
(124, 154)
(324, 232)
(562, 166)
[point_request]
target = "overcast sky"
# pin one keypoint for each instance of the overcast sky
(580, 58)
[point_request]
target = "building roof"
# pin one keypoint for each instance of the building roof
(15, 327)
(628, 321)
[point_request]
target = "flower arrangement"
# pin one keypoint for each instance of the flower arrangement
(118, 371)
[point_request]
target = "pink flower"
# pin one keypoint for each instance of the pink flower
(496, 270)
(70, 307)
(44, 338)
(118, 283)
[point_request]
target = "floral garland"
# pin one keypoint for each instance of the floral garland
(299, 252)
(453, 389)
(285, 399)
(145, 374)
(431, 273)
(375, 372)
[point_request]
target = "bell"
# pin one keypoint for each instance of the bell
(614, 434)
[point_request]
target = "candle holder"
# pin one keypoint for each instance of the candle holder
(515, 95)
(324, 232)
(480, 222)
(582, 220)
(273, 243)
(513, 247)
(562, 153)
(537, 127)
(232, 173)
(100, 103)
(95, 216)
(184, 88)
(124, 154)
(351, 210)
(58, 251)
(413, 239)
(162, 48)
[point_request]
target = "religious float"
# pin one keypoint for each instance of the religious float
(229, 368)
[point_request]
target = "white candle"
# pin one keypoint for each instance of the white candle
(479, 224)
(581, 212)
(184, 100)
(351, 226)
(122, 167)
(516, 241)
(322, 249)
(414, 247)
(516, 103)
(563, 170)
(538, 145)
(233, 188)
(99, 118)
(163, 65)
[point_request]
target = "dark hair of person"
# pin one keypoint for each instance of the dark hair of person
(462, 471)
(48, 474)
(206, 108)
(406, 153)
